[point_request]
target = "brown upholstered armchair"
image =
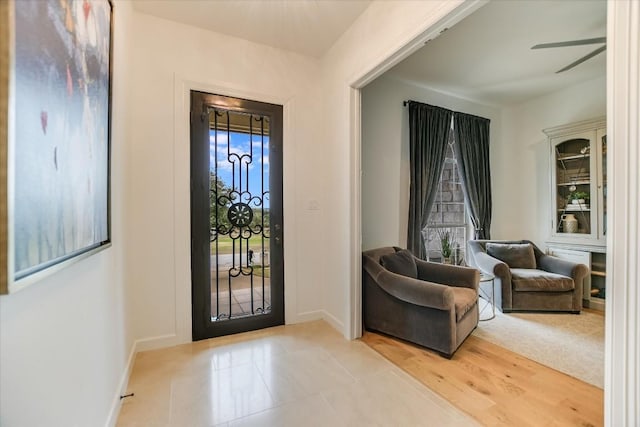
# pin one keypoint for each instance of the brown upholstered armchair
(526, 279)
(434, 305)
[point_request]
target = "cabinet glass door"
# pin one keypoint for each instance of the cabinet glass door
(573, 186)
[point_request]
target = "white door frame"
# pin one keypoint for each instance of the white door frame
(622, 322)
(354, 329)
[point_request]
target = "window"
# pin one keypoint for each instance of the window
(448, 218)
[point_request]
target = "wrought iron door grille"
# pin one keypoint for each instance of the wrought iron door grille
(239, 214)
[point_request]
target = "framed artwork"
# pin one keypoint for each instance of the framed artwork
(58, 139)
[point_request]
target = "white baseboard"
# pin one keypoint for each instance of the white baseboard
(154, 343)
(308, 316)
(112, 420)
(335, 323)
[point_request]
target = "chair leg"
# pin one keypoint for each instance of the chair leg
(447, 356)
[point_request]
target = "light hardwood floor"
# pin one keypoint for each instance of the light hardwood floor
(496, 386)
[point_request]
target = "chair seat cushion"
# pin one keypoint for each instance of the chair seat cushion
(524, 279)
(463, 299)
(400, 262)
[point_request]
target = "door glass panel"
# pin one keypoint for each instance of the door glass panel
(239, 214)
(573, 180)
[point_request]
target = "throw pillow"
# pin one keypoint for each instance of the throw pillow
(400, 262)
(516, 255)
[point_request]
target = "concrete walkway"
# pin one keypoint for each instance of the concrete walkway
(238, 301)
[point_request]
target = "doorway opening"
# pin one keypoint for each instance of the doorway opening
(518, 142)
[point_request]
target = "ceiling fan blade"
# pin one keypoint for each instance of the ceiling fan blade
(584, 58)
(571, 43)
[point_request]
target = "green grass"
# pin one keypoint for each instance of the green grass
(225, 245)
(257, 270)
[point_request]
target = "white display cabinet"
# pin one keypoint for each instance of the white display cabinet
(578, 182)
(578, 165)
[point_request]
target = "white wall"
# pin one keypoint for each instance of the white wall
(520, 167)
(169, 58)
(385, 154)
(64, 341)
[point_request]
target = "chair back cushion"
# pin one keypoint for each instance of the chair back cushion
(401, 263)
(515, 255)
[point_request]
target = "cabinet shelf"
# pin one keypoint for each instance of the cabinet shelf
(567, 184)
(573, 157)
(598, 273)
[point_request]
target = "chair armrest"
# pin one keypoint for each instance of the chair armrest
(489, 264)
(407, 289)
(567, 268)
(416, 291)
(451, 275)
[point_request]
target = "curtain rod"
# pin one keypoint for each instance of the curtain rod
(405, 103)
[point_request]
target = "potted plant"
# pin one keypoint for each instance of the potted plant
(578, 197)
(445, 244)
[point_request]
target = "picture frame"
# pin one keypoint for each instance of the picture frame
(55, 148)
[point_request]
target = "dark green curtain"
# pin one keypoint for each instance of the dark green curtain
(471, 134)
(429, 129)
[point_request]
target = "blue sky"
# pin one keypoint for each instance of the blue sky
(240, 144)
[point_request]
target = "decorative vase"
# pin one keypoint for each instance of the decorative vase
(569, 223)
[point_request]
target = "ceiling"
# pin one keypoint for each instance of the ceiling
(487, 56)
(309, 27)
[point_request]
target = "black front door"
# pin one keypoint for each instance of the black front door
(237, 265)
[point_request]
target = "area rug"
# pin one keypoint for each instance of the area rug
(573, 344)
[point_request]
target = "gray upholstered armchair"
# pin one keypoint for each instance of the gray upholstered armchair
(526, 279)
(434, 305)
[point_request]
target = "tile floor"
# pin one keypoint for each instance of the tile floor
(296, 375)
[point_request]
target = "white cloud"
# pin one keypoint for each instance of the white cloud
(222, 139)
(223, 164)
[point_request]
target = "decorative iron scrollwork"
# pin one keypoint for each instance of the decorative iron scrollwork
(240, 214)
